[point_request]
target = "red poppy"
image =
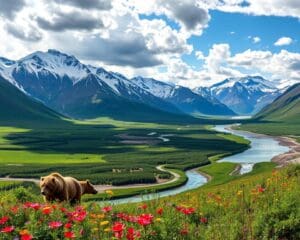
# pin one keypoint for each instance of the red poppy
(261, 189)
(3, 220)
(26, 237)
(184, 231)
(46, 210)
(55, 224)
(203, 220)
(132, 234)
(145, 219)
(69, 235)
(68, 225)
(35, 206)
(106, 209)
(14, 209)
(160, 211)
(62, 209)
(78, 216)
(118, 229)
(144, 206)
(7, 229)
(184, 210)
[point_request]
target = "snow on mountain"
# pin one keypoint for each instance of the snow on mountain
(183, 98)
(65, 84)
(53, 77)
(246, 95)
(157, 88)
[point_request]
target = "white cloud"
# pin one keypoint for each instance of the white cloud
(199, 55)
(283, 41)
(119, 40)
(256, 39)
(258, 7)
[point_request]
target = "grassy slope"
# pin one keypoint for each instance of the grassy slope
(282, 117)
(15, 105)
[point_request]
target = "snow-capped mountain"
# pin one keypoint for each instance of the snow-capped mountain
(63, 83)
(245, 96)
(183, 98)
(78, 90)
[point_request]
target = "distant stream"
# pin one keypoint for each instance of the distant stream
(262, 149)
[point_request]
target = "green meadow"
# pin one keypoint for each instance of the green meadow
(95, 150)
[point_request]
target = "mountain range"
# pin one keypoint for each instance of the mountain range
(245, 95)
(77, 90)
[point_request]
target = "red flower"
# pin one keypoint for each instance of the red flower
(3, 220)
(7, 229)
(69, 235)
(62, 209)
(184, 231)
(144, 206)
(203, 220)
(68, 225)
(159, 211)
(106, 209)
(26, 237)
(54, 224)
(132, 234)
(46, 210)
(188, 211)
(145, 219)
(261, 189)
(184, 210)
(14, 209)
(78, 215)
(118, 229)
(35, 206)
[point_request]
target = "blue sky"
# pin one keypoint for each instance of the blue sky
(191, 42)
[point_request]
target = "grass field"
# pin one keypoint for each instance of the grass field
(93, 150)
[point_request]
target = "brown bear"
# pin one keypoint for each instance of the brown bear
(87, 187)
(55, 187)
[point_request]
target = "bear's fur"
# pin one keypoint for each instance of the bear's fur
(55, 187)
(87, 187)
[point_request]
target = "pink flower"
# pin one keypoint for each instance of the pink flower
(54, 225)
(145, 219)
(106, 209)
(35, 206)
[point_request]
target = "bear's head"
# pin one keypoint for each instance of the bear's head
(48, 185)
(89, 188)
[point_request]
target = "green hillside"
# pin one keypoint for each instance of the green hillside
(282, 117)
(285, 108)
(16, 106)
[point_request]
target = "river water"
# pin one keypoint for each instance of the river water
(262, 149)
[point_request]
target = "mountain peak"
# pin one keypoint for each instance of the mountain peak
(245, 95)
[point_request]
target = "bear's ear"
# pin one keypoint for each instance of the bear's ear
(88, 181)
(42, 178)
(53, 179)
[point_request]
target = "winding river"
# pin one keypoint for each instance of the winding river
(262, 149)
